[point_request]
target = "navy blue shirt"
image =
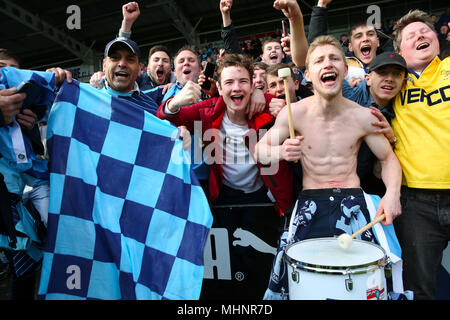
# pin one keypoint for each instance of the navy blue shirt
(148, 100)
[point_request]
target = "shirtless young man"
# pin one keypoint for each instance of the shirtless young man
(329, 129)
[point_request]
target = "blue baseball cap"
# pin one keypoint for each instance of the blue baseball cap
(128, 42)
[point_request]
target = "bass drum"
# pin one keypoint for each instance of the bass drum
(320, 269)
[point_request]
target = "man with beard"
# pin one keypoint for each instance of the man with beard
(187, 76)
(158, 71)
(121, 69)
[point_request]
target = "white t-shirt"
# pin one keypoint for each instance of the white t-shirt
(239, 168)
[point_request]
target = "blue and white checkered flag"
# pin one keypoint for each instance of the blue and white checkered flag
(127, 219)
(12, 78)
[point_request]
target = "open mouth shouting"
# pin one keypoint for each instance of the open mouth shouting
(160, 73)
(273, 57)
(237, 98)
(366, 50)
(422, 46)
(187, 72)
(121, 75)
(328, 78)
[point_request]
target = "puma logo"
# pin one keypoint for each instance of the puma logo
(246, 238)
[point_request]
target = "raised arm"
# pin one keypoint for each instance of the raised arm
(319, 20)
(182, 109)
(225, 10)
(228, 34)
(130, 13)
(391, 174)
(299, 43)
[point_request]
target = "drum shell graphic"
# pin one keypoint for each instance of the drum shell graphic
(320, 269)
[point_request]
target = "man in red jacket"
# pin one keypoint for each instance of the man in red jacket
(236, 183)
(233, 168)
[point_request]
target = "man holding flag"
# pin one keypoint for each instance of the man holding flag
(115, 230)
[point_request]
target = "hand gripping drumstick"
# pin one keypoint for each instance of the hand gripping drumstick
(285, 73)
(345, 240)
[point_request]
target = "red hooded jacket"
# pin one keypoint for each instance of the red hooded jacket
(210, 112)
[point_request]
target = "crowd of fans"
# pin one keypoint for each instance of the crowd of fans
(247, 94)
(253, 47)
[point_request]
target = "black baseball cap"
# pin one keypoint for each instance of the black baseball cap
(128, 42)
(388, 58)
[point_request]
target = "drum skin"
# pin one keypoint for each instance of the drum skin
(319, 269)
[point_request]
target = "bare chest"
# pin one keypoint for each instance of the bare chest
(340, 137)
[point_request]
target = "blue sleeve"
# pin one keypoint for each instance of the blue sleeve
(23, 146)
(156, 94)
(171, 92)
(357, 94)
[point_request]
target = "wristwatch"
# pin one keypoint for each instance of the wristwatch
(393, 142)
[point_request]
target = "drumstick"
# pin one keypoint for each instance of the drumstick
(345, 240)
(285, 73)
